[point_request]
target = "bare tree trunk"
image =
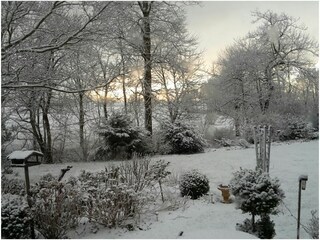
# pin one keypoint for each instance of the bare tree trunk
(146, 31)
(105, 110)
(46, 127)
(81, 127)
(124, 81)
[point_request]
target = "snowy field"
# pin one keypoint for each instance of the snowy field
(203, 219)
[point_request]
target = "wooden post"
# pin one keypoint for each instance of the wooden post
(26, 173)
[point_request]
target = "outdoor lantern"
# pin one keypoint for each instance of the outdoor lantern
(303, 179)
(25, 158)
(302, 185)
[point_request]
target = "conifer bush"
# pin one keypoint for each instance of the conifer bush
(122, 139)
(15, 217)
(258, 194)
(194, 184)
(180, 138)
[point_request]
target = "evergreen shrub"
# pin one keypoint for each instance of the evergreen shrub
(122, 139)
(256, 193)
(265, 228)
(15, 217)
(180, 138)
(193, 184)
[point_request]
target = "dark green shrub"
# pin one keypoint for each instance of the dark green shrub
(122, 139)
(180, 139)
(194, 184)
(265, 228)
(256, 193)
(15, 217)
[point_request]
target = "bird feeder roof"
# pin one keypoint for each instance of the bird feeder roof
(22, 155)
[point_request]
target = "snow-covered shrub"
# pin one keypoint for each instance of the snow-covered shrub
(122, 139)
(295, 129)
(226, 133)
(265, 228)
(56, 207)
(313, 225)
(159, 172)
(121, 192)
(15, 217)
(256, 193)
(107, 200)
(194, 184)
(13, 186)
(179, 138)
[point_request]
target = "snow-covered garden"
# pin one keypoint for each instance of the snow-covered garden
(126, 119)
(207, 217)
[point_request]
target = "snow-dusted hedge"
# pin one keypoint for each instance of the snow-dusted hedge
(56, 207)
(13, 186)
(115, 195)
(15, 217)
(194, 184)
(179, 138)
(122, 139)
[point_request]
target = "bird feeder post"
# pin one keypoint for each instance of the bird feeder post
(26, 159)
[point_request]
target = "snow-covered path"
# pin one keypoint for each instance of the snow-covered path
(202, 219)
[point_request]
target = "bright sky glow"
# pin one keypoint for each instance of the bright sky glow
(217, 24)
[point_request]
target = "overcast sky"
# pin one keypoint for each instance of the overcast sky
(217, 23)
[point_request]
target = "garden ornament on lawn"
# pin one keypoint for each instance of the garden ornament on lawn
(262, 142)
(225, 190)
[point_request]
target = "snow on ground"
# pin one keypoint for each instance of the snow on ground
(201, 219)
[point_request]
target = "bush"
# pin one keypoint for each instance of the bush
(108, 200)
(265, 228)
(313, 225)
(13, 186)
(117, 194)
(15, 217)
(180, 138)
(122, 140)
(256, 193)
(223, 133)
(57, 207)
(194, 184)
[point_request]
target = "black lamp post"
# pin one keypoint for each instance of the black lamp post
(302, 185)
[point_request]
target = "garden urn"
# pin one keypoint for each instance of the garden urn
(225, 190)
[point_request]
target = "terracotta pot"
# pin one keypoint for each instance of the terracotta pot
(225, 190)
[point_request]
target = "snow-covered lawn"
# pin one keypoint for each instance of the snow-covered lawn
(202, 219)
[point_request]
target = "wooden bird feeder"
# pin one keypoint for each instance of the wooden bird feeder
(25, 158)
